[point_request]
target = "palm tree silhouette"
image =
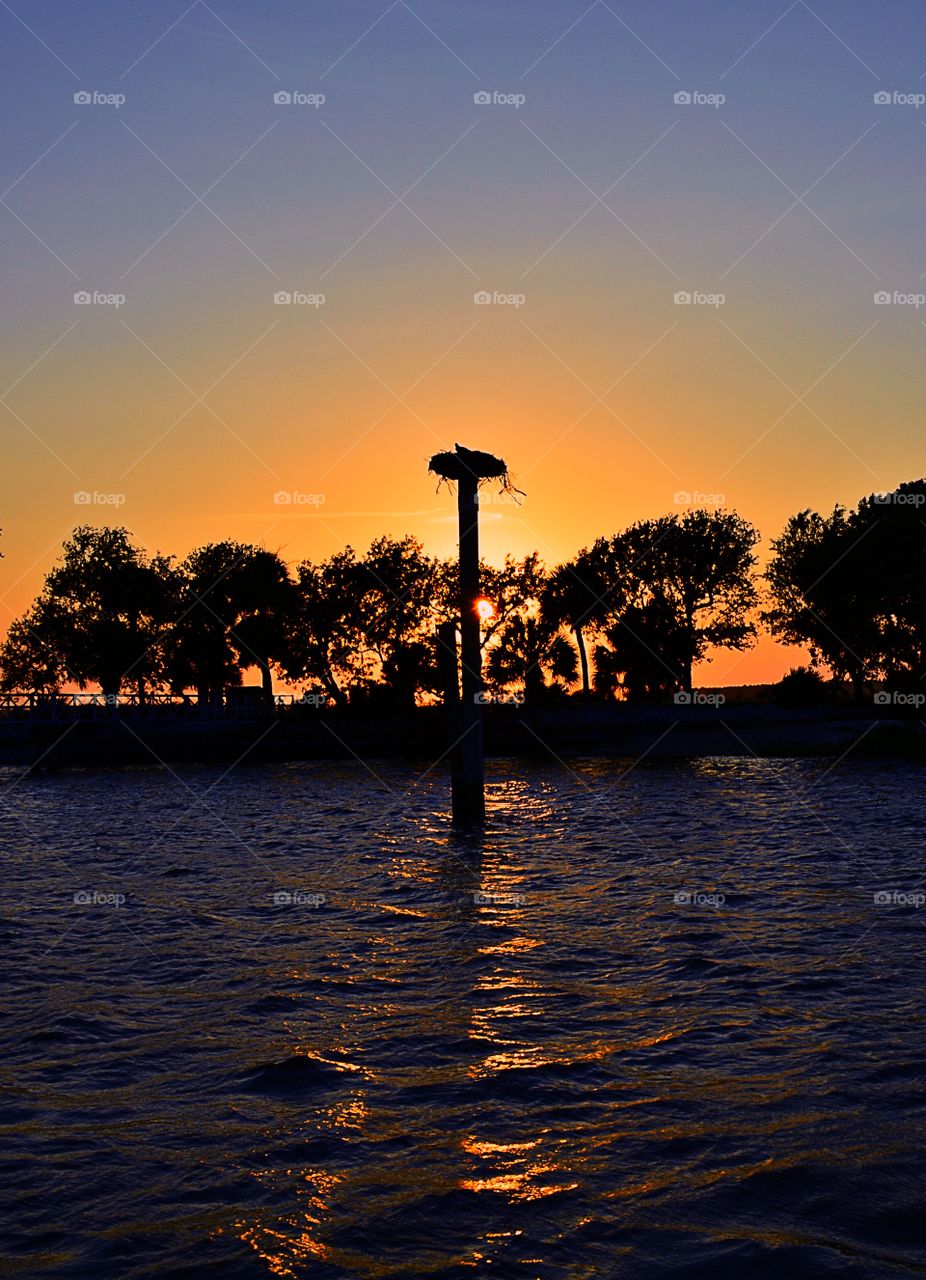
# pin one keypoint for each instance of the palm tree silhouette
(574, 597)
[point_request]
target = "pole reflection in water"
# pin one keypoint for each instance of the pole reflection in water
(435, 1000)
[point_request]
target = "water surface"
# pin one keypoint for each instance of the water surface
(292, 1027)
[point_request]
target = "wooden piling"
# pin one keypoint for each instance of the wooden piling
(464, 696)
(469, 780)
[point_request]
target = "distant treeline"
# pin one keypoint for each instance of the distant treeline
(626, 618)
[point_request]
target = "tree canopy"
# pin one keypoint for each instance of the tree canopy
(628, 617)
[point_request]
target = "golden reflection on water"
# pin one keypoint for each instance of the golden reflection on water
(496, 1013)
(516, 1173)
(520, 1186)
(530, 800)
(350, 1114)
(285, 1253)
(291, 1249)
(508, 999)
(499, 981)
(510, 947)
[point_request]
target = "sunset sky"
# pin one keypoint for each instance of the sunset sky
(581, 211)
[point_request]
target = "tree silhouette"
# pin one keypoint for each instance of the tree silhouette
(233, 605)
(850, 587)
(513, 587)
(33, 655)
(525, 649)
(323, 627)
(822, 594)
(575, 596)
(396, 585)
(680, 585)
(891, 556)
(266, 598)
(648, 602)
(644, 653)
(98, 619)
(801, 687)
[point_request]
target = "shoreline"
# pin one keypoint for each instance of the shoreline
(604, 732)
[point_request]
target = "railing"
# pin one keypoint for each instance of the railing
(98, 706)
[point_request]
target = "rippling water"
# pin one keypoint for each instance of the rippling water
(323, 1037)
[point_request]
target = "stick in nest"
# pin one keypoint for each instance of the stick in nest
(463, 463)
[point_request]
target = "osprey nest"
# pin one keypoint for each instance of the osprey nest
(464, 463)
